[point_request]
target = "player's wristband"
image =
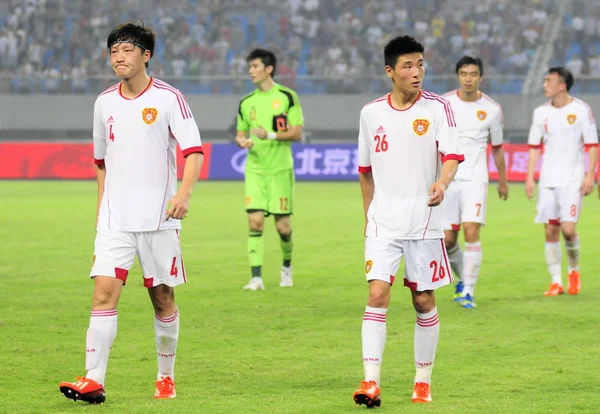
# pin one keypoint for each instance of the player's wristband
(272, 135)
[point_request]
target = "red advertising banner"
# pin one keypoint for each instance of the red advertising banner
(516, 157)
(63, 161)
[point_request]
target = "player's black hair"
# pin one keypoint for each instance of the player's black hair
(266, 57)
(398, 46)
(565, 74)
(470, 60)
(134, 33)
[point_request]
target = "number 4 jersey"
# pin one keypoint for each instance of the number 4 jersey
(404, 151)
(136, 139)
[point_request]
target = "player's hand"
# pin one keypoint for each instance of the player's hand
(243, 142)
(588, 185)
(178, 207)
(436, 194)
(259, 132)
(503, 190)
(529, 188)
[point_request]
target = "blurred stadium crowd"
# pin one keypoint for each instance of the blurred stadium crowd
(323, 46)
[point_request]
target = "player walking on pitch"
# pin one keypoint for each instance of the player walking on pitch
(408, 155)
(137, 126)
(478, 118)
(564, 125)
(269, 119)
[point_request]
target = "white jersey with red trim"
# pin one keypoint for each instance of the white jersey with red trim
(563, 131)
(476, 121)
(137, 139)
(403, 150)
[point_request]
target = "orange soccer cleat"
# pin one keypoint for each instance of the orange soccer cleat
(368, 394)
(83, 389)
(574, 283)
(165, 388)
(421, 393)
(554, 290)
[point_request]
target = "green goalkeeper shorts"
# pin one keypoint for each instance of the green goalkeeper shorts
(271, 193)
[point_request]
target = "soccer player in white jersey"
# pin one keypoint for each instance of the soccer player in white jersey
(137, 126)
(408, 155)
(478, 119)
(564, 126)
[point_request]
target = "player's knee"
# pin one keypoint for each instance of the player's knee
(570, 235)
(423, 302)
(256, 224)
(105, 299)
(552, 233)
(379, 295)
(471, 233)
(163, 299)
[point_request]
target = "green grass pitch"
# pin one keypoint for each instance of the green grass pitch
(290, 350)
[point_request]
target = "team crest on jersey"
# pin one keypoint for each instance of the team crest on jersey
(368, 266)
(481, 115)
(276, 104)
(420, 126)
(571, 118)
(248, 200)
(253, 114)
(149, 115)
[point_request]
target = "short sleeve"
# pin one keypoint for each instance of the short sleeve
(183, 127)
(497, 129)
(242, 122)
(536, 131)
(99, 135)
(364, 151)
(447, 133)
(295, 114)
(589, 128)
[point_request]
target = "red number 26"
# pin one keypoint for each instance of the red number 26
(381, 143)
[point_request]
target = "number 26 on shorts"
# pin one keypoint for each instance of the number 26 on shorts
(438, 271)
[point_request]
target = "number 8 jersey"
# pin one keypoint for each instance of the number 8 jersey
(404, 150)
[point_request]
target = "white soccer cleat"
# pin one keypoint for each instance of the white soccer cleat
(286, 277)
(256, 283)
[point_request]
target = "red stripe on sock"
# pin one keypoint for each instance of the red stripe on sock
(168, 318)
(374, 320)
(431, 318)
(427, 323)
(101, 313)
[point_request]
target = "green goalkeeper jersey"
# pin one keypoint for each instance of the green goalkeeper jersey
(275, 110)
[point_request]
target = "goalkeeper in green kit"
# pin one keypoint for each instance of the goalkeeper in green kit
(268, 120)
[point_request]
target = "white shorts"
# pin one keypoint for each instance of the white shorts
(426, 262)
(159, 253)
(464, 202)
(558, 204)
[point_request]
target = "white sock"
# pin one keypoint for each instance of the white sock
(373, 342)
(427, 334)
(100, 336)
(553, 260)
(572, 249)
(455, 255)
(167, 334)
(472, 260)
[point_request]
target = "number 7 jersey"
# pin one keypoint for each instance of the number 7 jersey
(404, 150)
(137, 139)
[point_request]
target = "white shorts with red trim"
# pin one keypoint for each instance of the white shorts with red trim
(159, 253)
(425, 261)
(464, 202)
(558, 204)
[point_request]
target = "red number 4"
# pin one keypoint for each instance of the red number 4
(111, 136)
(382, 145)
(174, 270)
(438, 271)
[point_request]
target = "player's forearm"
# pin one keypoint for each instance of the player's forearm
(449, 169)
(534, 156)
(100, 178)
(292, 134)
(498, 154)
(191, 171)
(367, 188)
(593, 160)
